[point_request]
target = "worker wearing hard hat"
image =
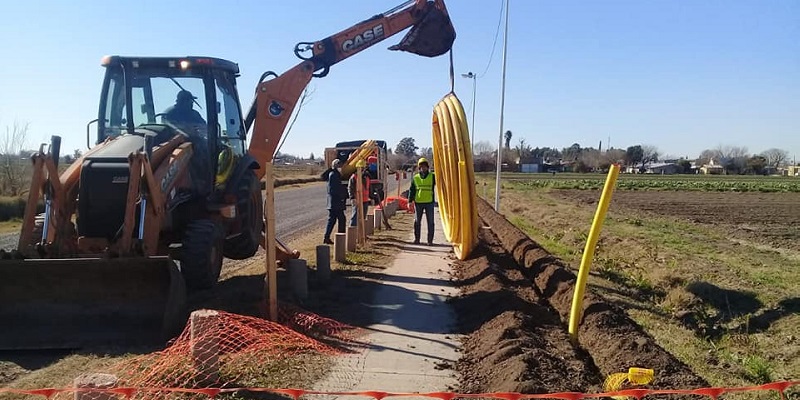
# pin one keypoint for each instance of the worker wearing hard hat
(421, 194)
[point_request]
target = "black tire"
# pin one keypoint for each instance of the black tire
(201, 255)
(251, 214)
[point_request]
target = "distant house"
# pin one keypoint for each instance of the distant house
(792, 170)
(530, 164)
(553, 167)
(712, 168)
(660, 168)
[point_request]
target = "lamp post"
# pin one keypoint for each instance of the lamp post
(472, 126)
(502, 109)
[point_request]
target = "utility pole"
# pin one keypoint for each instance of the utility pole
(502, 109)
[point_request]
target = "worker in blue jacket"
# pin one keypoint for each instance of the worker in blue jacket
(337, 201)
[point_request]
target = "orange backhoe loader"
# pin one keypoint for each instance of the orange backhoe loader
(168, 190)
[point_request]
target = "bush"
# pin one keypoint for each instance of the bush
(11, 207)
(14, 207)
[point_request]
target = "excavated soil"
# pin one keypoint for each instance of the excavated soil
(514, 308)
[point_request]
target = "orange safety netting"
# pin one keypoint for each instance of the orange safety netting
(402, 203)
(220, 349)
(147, 392)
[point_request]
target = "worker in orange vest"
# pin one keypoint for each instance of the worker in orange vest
(365, 195)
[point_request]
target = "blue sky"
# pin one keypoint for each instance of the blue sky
(680, 75)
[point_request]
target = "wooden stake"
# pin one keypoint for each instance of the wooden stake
(340, 247)
(205, 345)
(399, 183)
(95, 381)
(271, 265)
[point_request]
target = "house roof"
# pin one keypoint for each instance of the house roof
(658, 165)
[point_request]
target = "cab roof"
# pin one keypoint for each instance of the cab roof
(170, 62)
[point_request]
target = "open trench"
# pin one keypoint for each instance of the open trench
(513, 309)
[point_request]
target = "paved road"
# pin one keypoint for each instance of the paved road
(297, 211)
(301, 209)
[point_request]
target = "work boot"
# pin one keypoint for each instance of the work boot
(327, 241)
(416, 241)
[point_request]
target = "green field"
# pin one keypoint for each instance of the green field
(707, 183)
(707, 265)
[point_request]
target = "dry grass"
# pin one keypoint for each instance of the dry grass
(729, 310)
(293, 171)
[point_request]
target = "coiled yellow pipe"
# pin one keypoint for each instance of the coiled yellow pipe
(455, 175)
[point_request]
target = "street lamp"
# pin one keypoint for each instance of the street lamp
(472, 126)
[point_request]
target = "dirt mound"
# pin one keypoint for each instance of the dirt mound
(515, 342)
(514, 308)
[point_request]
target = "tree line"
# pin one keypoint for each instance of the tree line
(734, 159)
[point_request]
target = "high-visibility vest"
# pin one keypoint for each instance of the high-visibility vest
(365, 185)
(424, 188)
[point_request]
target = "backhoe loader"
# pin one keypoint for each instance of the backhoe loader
(167, 190)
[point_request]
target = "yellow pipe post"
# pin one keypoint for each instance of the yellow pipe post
(588, 252)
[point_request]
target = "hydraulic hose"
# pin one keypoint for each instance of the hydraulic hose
(455, 175)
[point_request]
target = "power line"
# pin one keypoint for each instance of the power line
(494, 44)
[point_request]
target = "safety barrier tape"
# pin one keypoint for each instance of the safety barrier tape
(712, 392)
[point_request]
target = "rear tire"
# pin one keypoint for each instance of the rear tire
(246, 244)
(201, 256)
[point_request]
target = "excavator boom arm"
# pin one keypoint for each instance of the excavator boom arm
(432, 35)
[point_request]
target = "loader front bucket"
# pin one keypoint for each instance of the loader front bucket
(76, 303)
(432, 36)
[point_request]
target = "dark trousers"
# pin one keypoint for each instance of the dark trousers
(354, 217)
(335, 216)
(427, 208)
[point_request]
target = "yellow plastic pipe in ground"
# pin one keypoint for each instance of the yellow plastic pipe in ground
(588, 251)
(455, 175)
(634, 377)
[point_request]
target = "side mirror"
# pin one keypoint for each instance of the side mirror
(88, 146)
(147, 109)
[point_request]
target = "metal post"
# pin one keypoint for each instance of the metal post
(474, 78)
(474, 102)
(502, 109)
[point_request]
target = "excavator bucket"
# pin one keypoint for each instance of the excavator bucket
(81, 302)
(432, 36)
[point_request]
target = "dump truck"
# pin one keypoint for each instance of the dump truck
(167, 190)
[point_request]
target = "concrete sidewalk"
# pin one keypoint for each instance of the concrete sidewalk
(410, 348)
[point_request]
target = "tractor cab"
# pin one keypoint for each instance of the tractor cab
(160, 97)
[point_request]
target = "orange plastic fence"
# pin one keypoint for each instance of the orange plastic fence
(129, 392)
(402, 203)
(226, 349)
